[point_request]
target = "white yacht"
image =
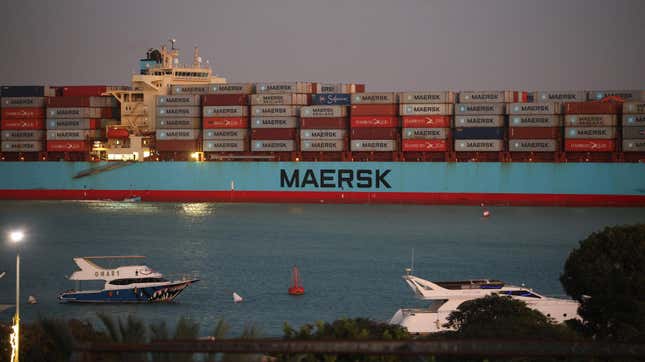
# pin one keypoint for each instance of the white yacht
(445, 297)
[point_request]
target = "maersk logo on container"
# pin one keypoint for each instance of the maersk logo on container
(176, 134)
(478, 144)
(223, 133)
(533, 144)
(270, 122)
(588, 132)
(531, 108)
(271, 110)
(321, 134)
(425, 132)
(335, 178)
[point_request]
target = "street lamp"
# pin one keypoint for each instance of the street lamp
(16, 237)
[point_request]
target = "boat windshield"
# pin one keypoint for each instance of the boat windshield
(519, 293)
(136, 280)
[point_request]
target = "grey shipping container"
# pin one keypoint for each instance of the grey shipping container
(479, 121)
(232, 88)
(484, 96)
(70, 123)
(590, 120)
(103, 102)
(634, 107)
(543, 108)
(273, 145)
(187, 111)
(274, 122)
(479, 145)
(280, 111)
(631, 145)
(428, 97)
(225, 111)
(633, 120)
(73, 112)
(547, 145)
(374, 98)
(278, 99)
(23, 102)
(179, 100)
(634, 132)
(240, 145)
(426, 133)
(323, 134)
(535, 121)
(183, 122)
(374, 145)
(191, 89)
(323, 111)
(73, 134)
(590, 132)
(627, 95)
(560, 96)
(22, 135)
(177, 134)
(284, 87)
(22, 146)
(479, 108)
(425, 109)
(322, 146)
(225, 134)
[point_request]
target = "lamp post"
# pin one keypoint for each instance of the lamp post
(16, 237)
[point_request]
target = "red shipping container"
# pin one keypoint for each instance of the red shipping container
(225, 100)
(84, 90)
(68, 146)
(374, 121)
(225, 122)
(20, 124)
(520, 97)
(591, 108)
(177, 146)
(374, 133)
(323, 123)
(107, 112)
(72, 101)
(425, 145)
(426, 121)
(374, 109)
(273, 133)
(22, 113)
(589, 145)
(117, 133)
(534, 132)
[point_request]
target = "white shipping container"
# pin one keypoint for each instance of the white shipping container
(427, 97)
(479, 108)
(627, 95)
(590, 120)
(225, 111)
(239, 145)
(284, 87)
(426, 133)
(590, 132)
(232, 88)
(373, 145)
(279, 99)
(69, 123)
(184, 89)
(73, 134)
(23, 102)
(629, 145)
(322, 145)
(179, 100)
(546, 145)
(634, 107)
(479, 145)
(225, 134)
(425, 109)
(479, 121)
(273, 145)
(184, 122)
(22, 135)
(275, 111)
(485, 96)
(323, 111)
(187, 111)
(274, 122)
(74, 112)
(560, 96)
(543, 108)
(22, 146)
(322, 134)
(374, 98)
(633, 120)
(177, 134)
(535, 121)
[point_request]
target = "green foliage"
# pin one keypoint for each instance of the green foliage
(606, 274)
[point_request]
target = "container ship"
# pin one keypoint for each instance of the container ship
(181, 133)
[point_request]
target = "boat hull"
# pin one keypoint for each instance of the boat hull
(152, 294)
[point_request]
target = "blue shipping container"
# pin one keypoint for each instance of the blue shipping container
(22, 91)
(479, 133)
(332, 99)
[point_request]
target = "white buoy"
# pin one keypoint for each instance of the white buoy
(237, 298)
(486, 213)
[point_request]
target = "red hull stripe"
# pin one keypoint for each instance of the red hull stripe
(428, 198)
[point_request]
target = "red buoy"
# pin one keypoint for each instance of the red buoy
(296, 287)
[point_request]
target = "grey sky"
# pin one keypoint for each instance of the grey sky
(388, 44)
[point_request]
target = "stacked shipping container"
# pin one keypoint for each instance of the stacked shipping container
(426, 118)
(374, 125)
(178, 123)
(479, 124)
(535, 131)
(22, 123)
(634, 130)
(590, 130)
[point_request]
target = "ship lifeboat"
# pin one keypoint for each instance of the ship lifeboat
(296, 285)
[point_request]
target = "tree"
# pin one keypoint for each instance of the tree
(606, 274)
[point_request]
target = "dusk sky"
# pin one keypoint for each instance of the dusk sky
(388, 44)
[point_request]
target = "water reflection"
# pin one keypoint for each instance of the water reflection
(198, 209)
(120, 206)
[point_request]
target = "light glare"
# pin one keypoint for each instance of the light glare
(16, 236)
